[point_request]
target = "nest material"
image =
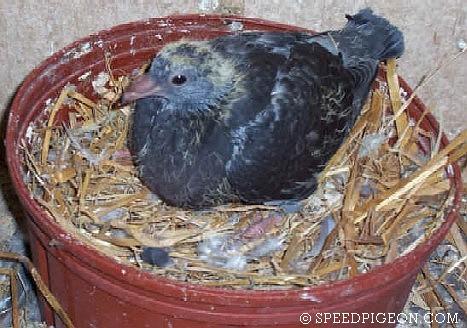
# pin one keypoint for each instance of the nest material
(383, 193)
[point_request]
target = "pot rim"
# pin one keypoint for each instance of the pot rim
(99, 262)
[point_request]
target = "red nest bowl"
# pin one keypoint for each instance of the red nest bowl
(96, 291)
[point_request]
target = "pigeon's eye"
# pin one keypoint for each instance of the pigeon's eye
(179, 79)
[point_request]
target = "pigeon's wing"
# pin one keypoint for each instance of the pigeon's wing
(257, 57)
(277, 153)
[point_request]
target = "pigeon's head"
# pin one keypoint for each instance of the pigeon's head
(191, 77)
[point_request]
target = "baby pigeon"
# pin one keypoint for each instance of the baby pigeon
(253, 117)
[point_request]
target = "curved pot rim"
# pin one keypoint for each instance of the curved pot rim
(108, 267)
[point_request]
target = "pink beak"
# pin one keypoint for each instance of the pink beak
(143, 86)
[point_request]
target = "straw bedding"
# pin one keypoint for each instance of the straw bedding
(383, 193)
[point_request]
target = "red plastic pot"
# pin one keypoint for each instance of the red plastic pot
(99, 292)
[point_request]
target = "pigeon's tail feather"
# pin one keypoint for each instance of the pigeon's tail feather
(381, 39)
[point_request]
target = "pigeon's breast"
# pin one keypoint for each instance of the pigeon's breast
(181, 159)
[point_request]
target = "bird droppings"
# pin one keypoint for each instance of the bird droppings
(48, 102)
(161, 23)
(78, 51)
(98, 198)
(310, 297)
(235, 26)
(85, 76)
(404, 94)
(100, 81)
(29, 132)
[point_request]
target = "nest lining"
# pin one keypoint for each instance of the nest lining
(379, 196)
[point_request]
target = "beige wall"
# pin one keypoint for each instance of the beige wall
(33, 29)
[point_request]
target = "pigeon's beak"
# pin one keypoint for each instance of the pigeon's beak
(143, 86)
